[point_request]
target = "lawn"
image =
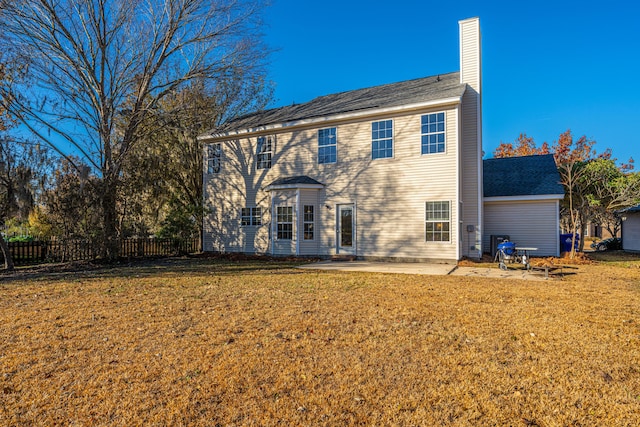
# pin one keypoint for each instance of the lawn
(206, 342)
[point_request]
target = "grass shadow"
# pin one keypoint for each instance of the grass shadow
(173, 266)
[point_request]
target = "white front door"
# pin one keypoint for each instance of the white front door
(346, 242)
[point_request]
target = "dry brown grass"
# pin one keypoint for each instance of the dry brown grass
(210, 342)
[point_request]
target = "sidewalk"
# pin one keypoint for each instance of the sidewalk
(422, 268)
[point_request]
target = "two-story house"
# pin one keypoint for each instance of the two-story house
(392, 171)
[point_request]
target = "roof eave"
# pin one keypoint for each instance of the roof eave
(524, 198)
(273, 187)
(326, 120)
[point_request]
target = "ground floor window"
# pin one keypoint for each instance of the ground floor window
(438, 222)
(284, 222)
(308, 222)
(251, 216)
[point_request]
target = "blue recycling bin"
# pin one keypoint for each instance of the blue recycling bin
(565, 242)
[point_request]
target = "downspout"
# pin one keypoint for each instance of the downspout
(557, 228)
(296, 225)
(272, 225)
(204, 196)
(458, 203)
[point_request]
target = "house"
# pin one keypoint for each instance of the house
(630, 231)
(522, 198)
(393, 171)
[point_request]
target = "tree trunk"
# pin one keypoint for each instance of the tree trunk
(8, 259)
(581, 236)
(109, 248)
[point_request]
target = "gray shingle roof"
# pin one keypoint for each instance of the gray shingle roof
(521, 176)
(390, 95)
(294, 180)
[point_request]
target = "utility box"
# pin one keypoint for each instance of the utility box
(495, 241)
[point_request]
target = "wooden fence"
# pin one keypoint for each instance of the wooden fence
(37, 252)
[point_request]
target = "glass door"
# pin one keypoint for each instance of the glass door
(346, 230)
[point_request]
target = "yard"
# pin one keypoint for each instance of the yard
(206, 342)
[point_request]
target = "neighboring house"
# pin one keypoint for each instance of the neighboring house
(392, 171)
(522, 198)
(630, 231)
(596, 231)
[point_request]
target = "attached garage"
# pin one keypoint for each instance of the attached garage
(522, 200)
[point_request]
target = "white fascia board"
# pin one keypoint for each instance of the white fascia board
(539, 197)
(324, 120)
(294, 187)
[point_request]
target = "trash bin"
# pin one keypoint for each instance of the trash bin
(565, 242)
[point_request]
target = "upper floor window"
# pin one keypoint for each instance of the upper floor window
(214, 154)
(327, 146)
(264, 152)
(284, 222)
(251, 216)
(438, 222)
(433, 133)
(382, 139)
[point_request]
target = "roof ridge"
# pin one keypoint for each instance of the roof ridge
(383, 85)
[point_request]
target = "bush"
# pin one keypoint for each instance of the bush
(20, 239)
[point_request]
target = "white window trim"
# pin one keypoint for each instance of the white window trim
(393, 139)
(278, 222)
(312, 222)
(450, 221)
(446, 145)
(271, 152)
(214, 151)
(335, 144)
(252, 215)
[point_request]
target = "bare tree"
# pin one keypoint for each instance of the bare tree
(96, 68)
(170, 186)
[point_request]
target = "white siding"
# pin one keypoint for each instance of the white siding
(631, 232)
(309, 247)
(389, 194)
(528, 224)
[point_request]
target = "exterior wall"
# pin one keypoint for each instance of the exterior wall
(527, 223)
(631, 232)
(471, 135)
(389, 194)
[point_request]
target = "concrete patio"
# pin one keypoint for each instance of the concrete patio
(437, 269)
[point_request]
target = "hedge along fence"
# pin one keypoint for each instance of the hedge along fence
(37, 252)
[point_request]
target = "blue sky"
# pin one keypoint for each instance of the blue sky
(547, 66)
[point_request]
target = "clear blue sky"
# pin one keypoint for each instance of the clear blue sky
(547, 66)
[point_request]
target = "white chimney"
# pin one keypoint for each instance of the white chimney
(470, 53)
(471, 138)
